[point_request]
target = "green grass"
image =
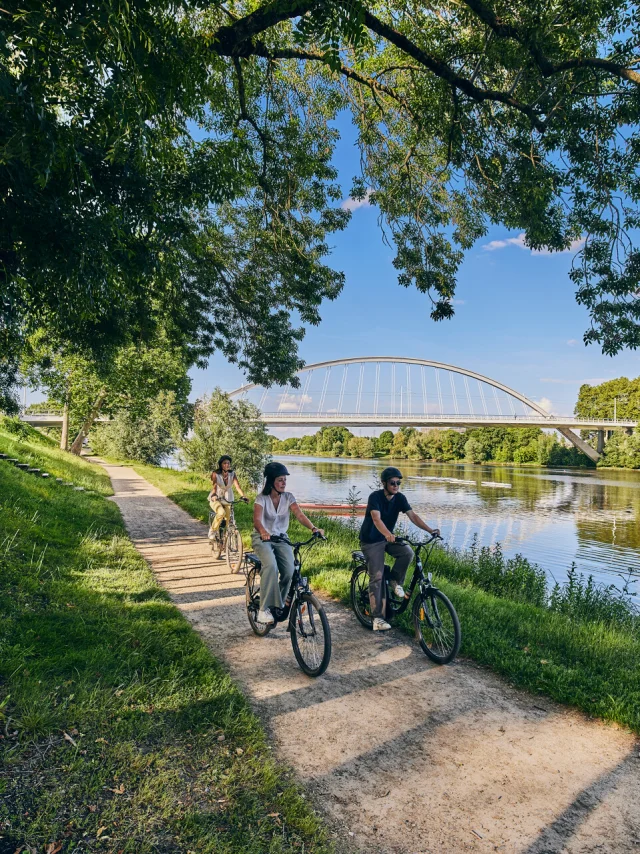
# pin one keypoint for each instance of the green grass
(41, 452)
(592, 665)
(118, 730)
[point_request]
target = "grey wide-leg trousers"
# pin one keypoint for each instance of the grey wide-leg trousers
(374, 553)
(276, 572)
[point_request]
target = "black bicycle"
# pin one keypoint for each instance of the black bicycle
(435, 620)
(307, 622)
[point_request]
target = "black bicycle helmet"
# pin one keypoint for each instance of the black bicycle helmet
(274, 469)
(222, 459)
(390, 472)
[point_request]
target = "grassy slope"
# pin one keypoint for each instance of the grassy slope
(118, 730)
(41, 452)
(588, 665)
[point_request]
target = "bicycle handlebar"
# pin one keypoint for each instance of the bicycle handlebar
(283, 538)
(422, 543)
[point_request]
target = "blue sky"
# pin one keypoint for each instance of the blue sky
(516, 317)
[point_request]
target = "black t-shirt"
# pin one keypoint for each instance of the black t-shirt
(389, 509)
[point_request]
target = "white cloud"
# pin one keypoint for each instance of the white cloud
(546, 404)
(572, 342)
(518, 241)
(457, 301)
(351, 204)
(292, 402)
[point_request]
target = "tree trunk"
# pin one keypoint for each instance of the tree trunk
(76, 447)
(64, 438)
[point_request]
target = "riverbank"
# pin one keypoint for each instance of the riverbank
(119, 730)
(592, 664)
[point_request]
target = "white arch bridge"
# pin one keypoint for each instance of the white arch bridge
(385, 391)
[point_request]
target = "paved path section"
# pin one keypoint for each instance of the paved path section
(402, 756)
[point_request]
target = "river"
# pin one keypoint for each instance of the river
(551, 516)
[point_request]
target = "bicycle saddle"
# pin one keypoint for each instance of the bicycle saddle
(359, 556)
(254, 559)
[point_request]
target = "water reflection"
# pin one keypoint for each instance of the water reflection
(553, 517)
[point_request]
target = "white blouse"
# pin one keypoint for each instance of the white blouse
(275, 521)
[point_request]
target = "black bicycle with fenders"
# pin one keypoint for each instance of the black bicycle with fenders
(306, 620)
(436, 623)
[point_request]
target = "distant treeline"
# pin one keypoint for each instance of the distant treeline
(477, 445)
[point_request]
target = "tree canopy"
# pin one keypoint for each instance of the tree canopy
(597, 401)
(118, 213)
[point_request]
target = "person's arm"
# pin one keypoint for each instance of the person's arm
(257, 522)
(376, 518)
(236, 483)
(304, 520)
(420, 523)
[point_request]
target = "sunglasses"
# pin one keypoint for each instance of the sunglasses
(395, 482)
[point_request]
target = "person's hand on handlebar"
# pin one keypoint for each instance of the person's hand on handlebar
(319, 531)
(436, 533)
(245, 499)
(265, 536)
(389, 537)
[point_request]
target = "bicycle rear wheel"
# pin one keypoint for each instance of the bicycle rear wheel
(252, 593)
(235, 550)
(360, 596)
(437, 626)
(310, 635)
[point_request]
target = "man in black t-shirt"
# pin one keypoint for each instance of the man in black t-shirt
(376, 538)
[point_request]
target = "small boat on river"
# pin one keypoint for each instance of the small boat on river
(333, 508)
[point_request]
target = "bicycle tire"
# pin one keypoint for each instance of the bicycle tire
(360, 596)
(216, 547)
(234, 550)
(252, 594)
(439, 635)
(305, 625)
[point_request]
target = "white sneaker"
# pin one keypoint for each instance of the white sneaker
(398, 590)
(380, 625)
(212, 536)
(265, 616)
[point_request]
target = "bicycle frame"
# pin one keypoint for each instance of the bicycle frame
(395, 605)
(299, 583)
(222, 529)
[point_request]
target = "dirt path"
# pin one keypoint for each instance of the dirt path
(402, 756)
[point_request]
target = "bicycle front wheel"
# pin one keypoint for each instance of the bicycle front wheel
(216, 546)
(252, 593)
(437, 626)
(360, 596)
(235, 550)
(310, 635)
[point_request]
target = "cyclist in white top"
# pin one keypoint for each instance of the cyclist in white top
(271, 517)
(223, 479)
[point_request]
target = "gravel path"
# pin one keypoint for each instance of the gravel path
(401, 756)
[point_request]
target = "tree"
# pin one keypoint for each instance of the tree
(115, 219)
(474, 451)
(87, 388)
(149, 439)
(326, 437)
(384, 442)
(225, 426)
(361, 447)
(597, 401)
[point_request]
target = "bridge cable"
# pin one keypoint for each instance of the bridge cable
(344, 380)
(324, 388)
(360, 388)
(304, 391)
(455, 396)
